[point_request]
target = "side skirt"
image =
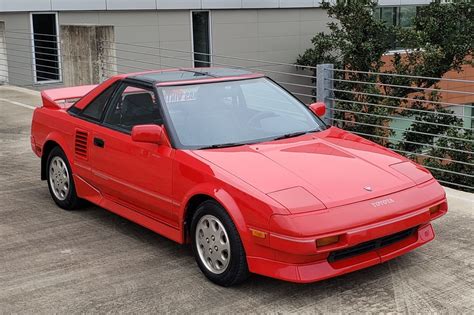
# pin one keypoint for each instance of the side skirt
(90, 193)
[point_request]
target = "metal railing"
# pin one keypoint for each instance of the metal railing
(133, 57)
(422, 124)
(417, 123)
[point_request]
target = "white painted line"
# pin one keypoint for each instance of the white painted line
(460, 198)
(17, 103)
(20, 89)
(458, 194)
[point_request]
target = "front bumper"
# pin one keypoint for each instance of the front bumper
(323, 269)
(297, 258)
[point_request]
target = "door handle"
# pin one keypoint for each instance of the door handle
(99, 142)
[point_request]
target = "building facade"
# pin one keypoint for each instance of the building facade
(130, 36)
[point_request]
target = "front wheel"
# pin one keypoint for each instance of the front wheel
(60, 181)
(217, 247)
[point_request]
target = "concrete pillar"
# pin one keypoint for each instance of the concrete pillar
(88, 54)
(3, 56)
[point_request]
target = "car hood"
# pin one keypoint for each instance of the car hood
(334, 166)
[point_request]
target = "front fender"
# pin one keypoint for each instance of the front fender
(223, 197)
(247, 213)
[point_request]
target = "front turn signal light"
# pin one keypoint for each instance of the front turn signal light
(435, 209)
(259, 234)
(327, 241)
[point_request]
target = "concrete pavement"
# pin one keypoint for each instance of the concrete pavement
(54, 261)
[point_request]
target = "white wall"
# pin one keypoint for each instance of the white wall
(274, 35)
(88, 5)
(18, 45)
(139, 35)
(150, 39)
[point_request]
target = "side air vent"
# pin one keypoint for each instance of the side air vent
(80, 145)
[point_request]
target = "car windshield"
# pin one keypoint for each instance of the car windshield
(234, 113)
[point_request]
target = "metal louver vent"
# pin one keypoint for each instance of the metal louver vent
(80, 145)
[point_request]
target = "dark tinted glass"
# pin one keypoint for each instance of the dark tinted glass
(201, 39)
(389, 15)
(45, 47)
(95, 109)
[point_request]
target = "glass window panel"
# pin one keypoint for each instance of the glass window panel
(45, 47)
(407, 16)
(201, 39)
(134, 106)
(245, 111)
(389, 15)
(95, 109)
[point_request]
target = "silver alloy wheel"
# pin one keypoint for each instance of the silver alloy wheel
(213, 244)
(59, 178)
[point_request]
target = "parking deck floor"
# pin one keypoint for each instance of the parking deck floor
(54, 261)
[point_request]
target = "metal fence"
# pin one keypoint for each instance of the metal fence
(413, 119)
(122, 57)
(410, 115)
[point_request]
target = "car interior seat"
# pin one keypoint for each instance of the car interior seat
(140, 109)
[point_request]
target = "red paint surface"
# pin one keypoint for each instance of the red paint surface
(296, 190)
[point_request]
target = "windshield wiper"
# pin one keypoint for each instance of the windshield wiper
(223, 145)
(236, 144)
(295, 134)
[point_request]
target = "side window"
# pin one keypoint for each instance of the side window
(134, 106)
(95, 109)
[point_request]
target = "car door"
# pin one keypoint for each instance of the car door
(87, 120)
(136, 175)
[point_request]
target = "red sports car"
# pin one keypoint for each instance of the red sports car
(232, 163)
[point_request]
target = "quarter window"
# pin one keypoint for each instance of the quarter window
(95, 109)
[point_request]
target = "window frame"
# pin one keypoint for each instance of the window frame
(75, 112)
(171, 131)
(114, 87)
(33, 50)
(118, 93)
(79, 113)
(167, 122)
(407, 6)
(192, 37)
(396, 20)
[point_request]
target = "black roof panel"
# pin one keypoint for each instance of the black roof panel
(189, 74)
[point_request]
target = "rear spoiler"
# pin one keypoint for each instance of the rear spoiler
(64, 98)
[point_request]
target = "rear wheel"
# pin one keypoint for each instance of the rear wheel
(60, 181)
(217, 246)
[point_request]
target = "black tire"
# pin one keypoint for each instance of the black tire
(70, 201)
(237, 270)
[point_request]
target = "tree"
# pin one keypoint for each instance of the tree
(460, 159)
(440, 40)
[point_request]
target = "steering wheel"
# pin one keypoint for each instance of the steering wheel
(258, 117)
